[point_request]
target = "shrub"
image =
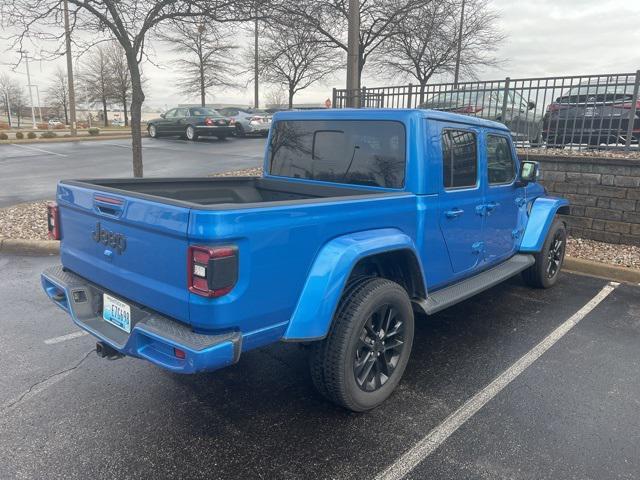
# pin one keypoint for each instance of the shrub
(19, 135)
(60, 127)
(31, 135)
(4, 126)
(4, 136)
(94, 131)
(43, 126)
(48, 135)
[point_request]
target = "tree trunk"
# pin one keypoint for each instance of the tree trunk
(202, 89)
(137, 97)
(291, 94)
(104, 111)
(124, 108)
(423, 86)
(66, 114)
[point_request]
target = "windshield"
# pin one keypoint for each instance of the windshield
(344, 151)
(204, 112)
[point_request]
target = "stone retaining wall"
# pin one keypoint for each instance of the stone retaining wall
(604, 195)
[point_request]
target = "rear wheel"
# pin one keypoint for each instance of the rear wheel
(544, 273)
(191, 133)
(362, 359)
(152, 130)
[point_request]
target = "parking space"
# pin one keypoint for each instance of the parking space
(573, 413)
(50, 162)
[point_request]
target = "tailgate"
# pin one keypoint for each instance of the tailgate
(136, 248)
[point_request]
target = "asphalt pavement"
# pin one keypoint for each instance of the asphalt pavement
(573, 413)
(30, 172)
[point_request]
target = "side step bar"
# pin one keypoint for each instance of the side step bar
(458, 292)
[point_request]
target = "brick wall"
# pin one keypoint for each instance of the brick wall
(604, 195)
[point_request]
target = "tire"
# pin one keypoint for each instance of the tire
(353, 367)
(152, 131)
(240, 131)
(190, 133)
(544, 273)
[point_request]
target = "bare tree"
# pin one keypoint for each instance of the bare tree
(58, 94)
(130, 22)
(10, 91)
(119, 77)
(96, 75)
(427, 40)
(205, 57)
(275, 97)
(295, 58)
(379, 21)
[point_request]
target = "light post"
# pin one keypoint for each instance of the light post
(459, 52)
(72, 94)
(353, 53)
(33, 112)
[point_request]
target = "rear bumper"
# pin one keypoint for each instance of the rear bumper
(214, 130)
(153, 336)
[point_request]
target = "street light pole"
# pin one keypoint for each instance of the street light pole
(33, 112)
(38, 98)
(72, 93)
(353, 53)
(256, 92)
(457, 72)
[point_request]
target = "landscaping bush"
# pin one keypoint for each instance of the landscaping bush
(4, 136)
(60, 127)
(94, 131)
(19, 135)
(48, 135)
(43, 126)
(31, 135)
(4, 126)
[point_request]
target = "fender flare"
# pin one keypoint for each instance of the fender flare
(541, 217)
(328, 276)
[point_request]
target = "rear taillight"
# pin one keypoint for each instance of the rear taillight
(628, 105)
(212, 271)
(53, 221)
(208, 121)
(469, 109)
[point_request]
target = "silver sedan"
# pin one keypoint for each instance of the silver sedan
(248, 121)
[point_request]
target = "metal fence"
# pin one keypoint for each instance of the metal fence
(581, 111)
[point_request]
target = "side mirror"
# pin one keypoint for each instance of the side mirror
(528, 173)
(162, 115)
(531, 105)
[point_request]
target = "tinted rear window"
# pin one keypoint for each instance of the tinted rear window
(343, 151)
(199, 112)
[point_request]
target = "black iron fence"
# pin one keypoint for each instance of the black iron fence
(581, 111)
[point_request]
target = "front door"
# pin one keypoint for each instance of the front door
(164, 125)
(461, 198)
(504, 201)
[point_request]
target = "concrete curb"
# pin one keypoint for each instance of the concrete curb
(69, 139)
(29, 247)
(602, 270)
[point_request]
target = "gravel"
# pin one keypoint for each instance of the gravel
(26, 221)
(618, 255)
(29, 221)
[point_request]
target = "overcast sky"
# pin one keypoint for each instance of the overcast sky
(543, 38)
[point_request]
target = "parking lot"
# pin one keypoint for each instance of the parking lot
(165, 157)
(572, 414)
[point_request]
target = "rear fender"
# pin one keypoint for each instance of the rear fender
(541, 217)
(329, 274)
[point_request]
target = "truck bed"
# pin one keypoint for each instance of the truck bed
(224, 192)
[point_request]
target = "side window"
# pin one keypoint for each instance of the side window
(500, 162)
(459, 159)
(182, 112)
(170, 114)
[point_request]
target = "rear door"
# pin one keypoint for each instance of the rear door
(135, 247)
(503, 199)
(461, 196)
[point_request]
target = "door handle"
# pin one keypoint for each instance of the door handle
(492, 206)
(456, 212)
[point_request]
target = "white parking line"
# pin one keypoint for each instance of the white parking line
(64, 338)
(438, 435)
(38, 150)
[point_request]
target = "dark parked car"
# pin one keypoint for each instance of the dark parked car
(521, 116)
(190, 123)
(593, 114)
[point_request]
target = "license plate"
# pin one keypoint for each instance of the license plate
(116, 313)
(590, 112)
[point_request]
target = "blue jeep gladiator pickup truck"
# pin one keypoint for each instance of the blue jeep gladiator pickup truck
(362, 221)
